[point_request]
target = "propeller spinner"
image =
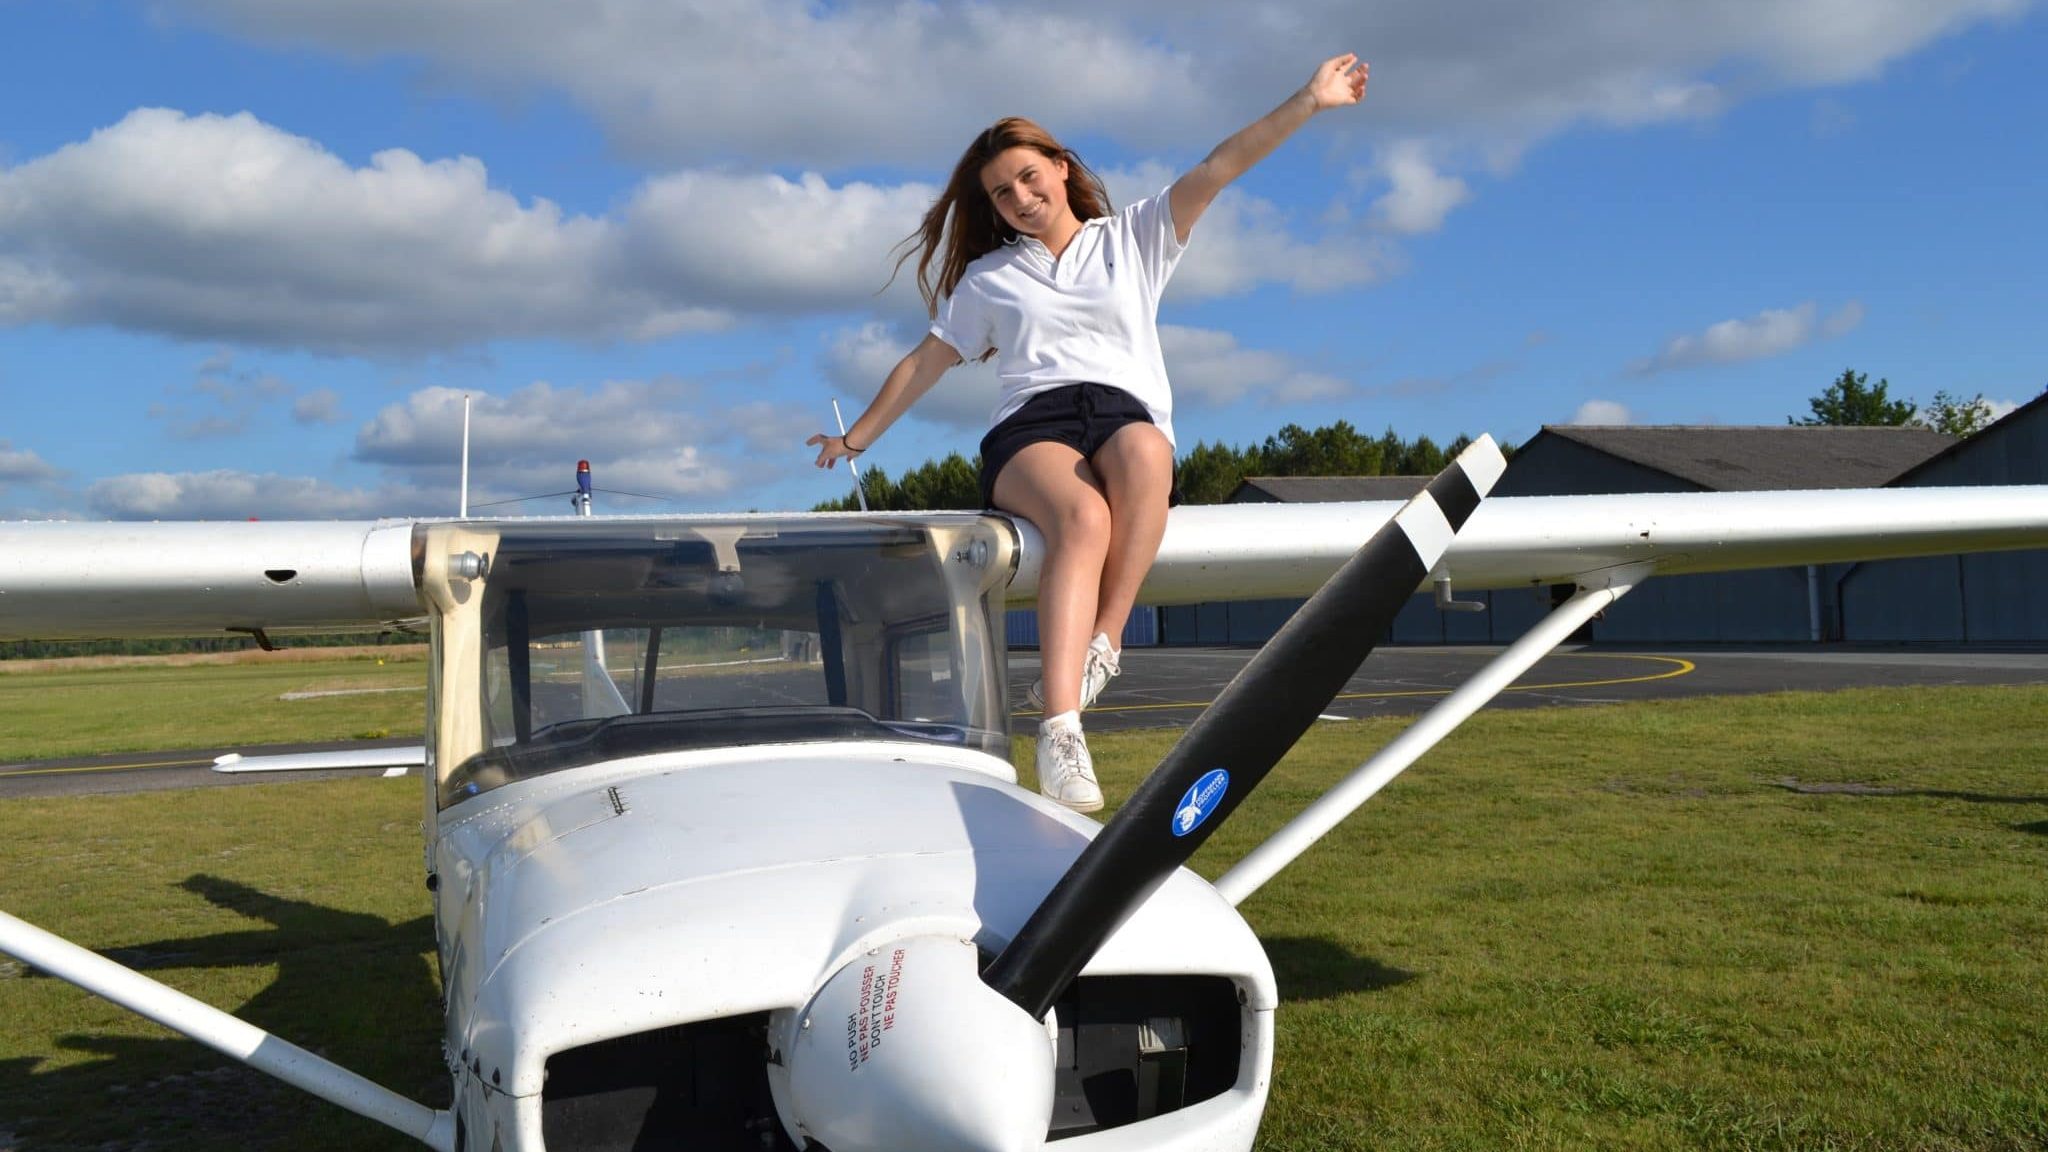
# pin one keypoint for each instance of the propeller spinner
(907, 1050)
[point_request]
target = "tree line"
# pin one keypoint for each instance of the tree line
(1853, 400)
(1207, 473)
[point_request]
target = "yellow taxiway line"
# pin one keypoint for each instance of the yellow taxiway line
(6, 775)
(1680, 667)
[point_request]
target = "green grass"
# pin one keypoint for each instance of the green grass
(87, 711)
(1596, 927)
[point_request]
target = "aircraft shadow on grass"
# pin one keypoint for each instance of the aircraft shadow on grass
(1309, 968)
(2038, 827)
(349, 986)
(357, 989)
(1853, 788)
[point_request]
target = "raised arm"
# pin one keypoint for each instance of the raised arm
(1337, 82)
(912, 377)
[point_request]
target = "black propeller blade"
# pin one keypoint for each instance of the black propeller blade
(1239, 738)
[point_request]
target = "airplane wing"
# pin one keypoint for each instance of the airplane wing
(79, 580)
(70, 580)
(1247, 551)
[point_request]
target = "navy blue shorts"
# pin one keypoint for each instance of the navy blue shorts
(1081, 416)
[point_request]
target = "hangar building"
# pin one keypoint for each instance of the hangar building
(1987, 598)
(1776, 605)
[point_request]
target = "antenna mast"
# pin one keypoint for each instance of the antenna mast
(463, 510)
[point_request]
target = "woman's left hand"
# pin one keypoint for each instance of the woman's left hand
(1337, 82)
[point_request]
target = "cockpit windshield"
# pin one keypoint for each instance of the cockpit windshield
(560, 643)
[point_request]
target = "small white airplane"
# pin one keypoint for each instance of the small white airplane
(761, 875)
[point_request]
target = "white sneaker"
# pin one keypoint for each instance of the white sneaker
(1096, 672)
(1066, 773)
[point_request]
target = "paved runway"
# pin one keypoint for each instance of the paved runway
(1170, 686)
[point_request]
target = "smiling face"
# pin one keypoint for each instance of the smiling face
(1029, 191)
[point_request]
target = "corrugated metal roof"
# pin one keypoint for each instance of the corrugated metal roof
(1325, 489)
(1725, 458)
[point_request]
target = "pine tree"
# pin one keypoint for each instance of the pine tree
(1851, 400)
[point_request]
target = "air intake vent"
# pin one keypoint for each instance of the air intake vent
(701, 1086)
(1135, 1047)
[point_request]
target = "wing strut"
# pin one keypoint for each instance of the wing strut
(228, 1034)
(1333, 806)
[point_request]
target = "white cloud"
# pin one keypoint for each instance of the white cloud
(320, 406)
(786, 82)
(780, 81)
(1601, 412)
(1209, 368)
(22, 465)
(654, 438)
(1418, 197)
(1843, 320)
(681, 471)
(762, 243)
(858, 359)
(537, 420)
(1772, 332)
(165, 223)
(229, 495)
(778, 428)
(227, 228)
(2000, 409)
(1243, 241)
(650, 437)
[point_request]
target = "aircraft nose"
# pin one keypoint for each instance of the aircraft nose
(907, 1050)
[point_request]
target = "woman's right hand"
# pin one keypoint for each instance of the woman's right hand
(831, 449)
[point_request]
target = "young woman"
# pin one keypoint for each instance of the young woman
(1033, 269)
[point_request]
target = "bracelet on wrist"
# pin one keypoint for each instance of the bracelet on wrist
(848, 445)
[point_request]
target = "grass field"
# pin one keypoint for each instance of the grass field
(1773, 922)
(81, 707)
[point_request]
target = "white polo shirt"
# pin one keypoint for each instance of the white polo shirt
(1090, 316)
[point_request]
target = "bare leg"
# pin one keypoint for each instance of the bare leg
(1051, 486)
(1136, 469)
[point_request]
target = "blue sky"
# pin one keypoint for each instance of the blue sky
(252, 255)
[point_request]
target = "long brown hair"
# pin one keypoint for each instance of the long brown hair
(976, 227)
